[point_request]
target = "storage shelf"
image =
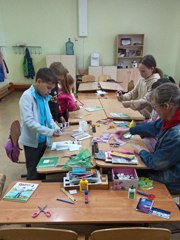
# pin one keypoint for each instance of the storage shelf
(133, 51)
(130, 46)
(131, 57)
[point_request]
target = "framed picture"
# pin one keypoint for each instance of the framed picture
(125, 41)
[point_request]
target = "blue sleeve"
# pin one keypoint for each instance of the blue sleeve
(166, 154)
(149, 129)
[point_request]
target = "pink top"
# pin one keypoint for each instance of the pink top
(66, 101)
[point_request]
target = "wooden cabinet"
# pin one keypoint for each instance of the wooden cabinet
(103, 70)
(129, 48)
(69, 61)
(124, 76)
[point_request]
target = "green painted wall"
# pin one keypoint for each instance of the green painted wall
(49, 23)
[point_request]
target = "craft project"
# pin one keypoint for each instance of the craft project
(92, 109)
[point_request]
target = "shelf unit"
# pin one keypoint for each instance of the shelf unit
(129, 47)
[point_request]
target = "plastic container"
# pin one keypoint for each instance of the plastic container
(124, 184)
(86, 196)
(131, 192)
(83, 185)
(69, 47)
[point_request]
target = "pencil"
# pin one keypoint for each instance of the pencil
(62, 200)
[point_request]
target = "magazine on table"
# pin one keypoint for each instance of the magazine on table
(21, 191)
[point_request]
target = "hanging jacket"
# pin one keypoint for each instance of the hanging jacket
(3, 68)
(28, 67)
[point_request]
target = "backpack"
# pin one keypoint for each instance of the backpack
(12, 146)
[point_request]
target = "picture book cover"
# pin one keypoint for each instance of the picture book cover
(21, 192)
(92, 109)
(48, 162)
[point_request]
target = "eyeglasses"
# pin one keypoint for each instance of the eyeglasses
(155, 106)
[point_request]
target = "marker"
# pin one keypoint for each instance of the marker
(65, 201)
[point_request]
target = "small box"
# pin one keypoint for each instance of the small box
(123, 183)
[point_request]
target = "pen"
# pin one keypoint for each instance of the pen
(62, 200)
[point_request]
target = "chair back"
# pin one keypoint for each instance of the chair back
(137, 233)
(15, 132)
(103, 78)
(88, 78)
(37, 234)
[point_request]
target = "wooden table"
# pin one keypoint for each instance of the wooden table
(114, 106)
(82, 114)
(105, 206)
(92, 95)
(50, 153)
(88, 87)
(135, 140)
(111, 86)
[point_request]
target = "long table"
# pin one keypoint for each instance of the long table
(88, 87)
(82, 114)
(114, 106)
(105, 206)
(111, 86)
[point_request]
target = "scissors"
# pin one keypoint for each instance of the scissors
(41, 209)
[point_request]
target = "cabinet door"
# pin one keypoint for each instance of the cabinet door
(52, 58)
(69, 62)
(95, 71)
(123, 76)
(111, 71)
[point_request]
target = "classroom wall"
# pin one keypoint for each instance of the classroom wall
(49, 23)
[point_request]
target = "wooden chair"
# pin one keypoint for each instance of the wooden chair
(137, 233)
(15, 132)
(37, 234)
(103, 78)
(88, 78)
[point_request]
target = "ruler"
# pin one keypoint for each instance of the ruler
(68, 194)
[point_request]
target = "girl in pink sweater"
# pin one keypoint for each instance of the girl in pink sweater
(66, 101)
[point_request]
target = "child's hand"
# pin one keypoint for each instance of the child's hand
(62, 119)
(119, 95)
(77, 107)
(126, 104)
(56, 133)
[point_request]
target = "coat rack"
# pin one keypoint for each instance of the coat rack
(33, 49)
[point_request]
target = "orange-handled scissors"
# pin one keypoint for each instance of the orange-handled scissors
(41, 209)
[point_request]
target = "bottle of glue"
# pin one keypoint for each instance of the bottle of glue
(131, 124)
(83, 185)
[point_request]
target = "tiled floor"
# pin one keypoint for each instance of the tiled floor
(9, 112)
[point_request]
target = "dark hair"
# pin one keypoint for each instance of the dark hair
(68, 80)
(167, 93)
(150, 62)
(46, 75)
(162, 81)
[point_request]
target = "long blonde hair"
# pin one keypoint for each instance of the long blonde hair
(66, 82)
